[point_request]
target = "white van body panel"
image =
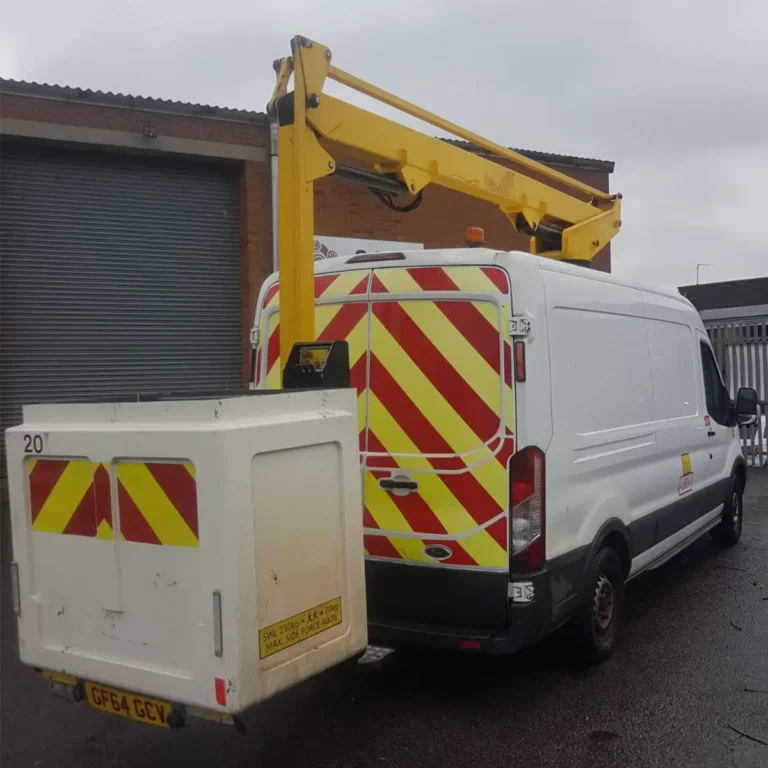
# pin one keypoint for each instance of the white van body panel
(627, 403)
(533, 403)
(598, 462)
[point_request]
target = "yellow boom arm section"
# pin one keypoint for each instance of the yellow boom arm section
(319, 134)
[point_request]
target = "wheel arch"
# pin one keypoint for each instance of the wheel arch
(740, 471)
(613, 533)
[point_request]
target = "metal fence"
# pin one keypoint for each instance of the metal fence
(741, 348)
(753, 439)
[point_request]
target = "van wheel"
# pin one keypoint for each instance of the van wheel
(728, 531)
(598, 623)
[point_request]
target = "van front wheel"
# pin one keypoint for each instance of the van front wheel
(598, 623)
(728, 530)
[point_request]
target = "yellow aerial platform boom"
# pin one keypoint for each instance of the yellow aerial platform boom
(319, 134)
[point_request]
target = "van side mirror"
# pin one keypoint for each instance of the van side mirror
(746, 407)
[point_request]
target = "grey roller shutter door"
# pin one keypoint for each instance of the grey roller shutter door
(119, 274)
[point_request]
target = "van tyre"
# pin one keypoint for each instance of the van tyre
(728, 531)
(597, 625)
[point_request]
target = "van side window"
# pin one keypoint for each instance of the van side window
(717, 400)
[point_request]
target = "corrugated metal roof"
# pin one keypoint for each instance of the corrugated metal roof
(127, 101)
(148, 104)
(549, 158)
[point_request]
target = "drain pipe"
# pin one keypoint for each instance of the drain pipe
(273, 170)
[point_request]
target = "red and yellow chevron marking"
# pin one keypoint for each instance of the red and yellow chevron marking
(439, 374)
(354, 283)
(70, 496)
(333, 322)
(438, 378)
(157, 503)
(490, 280)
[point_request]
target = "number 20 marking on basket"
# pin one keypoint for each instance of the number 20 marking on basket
(33, 444)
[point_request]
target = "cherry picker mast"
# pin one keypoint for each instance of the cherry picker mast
(319, 135)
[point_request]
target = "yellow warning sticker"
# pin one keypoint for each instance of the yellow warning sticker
(277, 637)
(686, 479)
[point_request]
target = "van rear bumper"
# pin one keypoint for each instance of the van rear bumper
(456, 608)
(502, 643)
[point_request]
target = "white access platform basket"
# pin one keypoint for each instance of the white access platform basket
(205, 552)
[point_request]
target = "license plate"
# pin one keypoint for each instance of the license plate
(142, 709)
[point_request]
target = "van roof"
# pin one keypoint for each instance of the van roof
(478, 256)
(412, 258)
(606, 277)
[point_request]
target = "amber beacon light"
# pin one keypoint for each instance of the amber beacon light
(475, 237)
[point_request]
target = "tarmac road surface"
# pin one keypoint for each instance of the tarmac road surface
(688, 688)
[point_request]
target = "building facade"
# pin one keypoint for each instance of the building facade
(135, 234)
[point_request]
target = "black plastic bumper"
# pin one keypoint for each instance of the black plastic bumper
(454, 608)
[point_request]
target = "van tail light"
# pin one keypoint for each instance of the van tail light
(527, 502)
(220, 688)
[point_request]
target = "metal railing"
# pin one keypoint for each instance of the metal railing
(741, 348)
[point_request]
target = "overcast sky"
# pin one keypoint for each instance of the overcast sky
(676, 92)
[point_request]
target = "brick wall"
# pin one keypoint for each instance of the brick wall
(88, 115)
(344, 209)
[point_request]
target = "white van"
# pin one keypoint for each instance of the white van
(533, 435)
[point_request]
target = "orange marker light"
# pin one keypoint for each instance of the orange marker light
(519, 361)
(475, 237)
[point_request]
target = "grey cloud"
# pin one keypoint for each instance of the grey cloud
(674, 92)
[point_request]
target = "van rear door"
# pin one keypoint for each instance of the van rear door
(440, 416)
(430, 359)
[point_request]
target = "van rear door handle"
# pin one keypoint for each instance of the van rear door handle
(398, 484)
(711, 433)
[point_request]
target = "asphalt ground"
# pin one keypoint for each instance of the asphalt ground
(689, 687)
